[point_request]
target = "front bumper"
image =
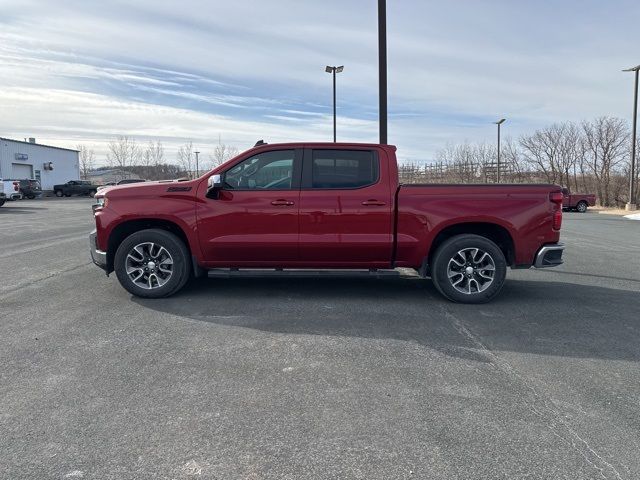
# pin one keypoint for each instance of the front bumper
(98, 256)
(549, 255)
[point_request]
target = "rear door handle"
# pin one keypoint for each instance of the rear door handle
(282, 203)
(374, 203)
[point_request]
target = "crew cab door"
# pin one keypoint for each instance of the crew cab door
(254, 219)
(345, 209)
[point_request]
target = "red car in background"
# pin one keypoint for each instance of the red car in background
(577, 201)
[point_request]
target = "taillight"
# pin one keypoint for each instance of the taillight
(556, 199)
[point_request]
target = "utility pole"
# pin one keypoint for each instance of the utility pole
(499, 122)
(631, 205)
(197, 165)
(382, 68)
(334, 70)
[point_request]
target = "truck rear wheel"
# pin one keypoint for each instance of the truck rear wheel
(468, 269)
(152, 263)
(581, 207)
(59, 193)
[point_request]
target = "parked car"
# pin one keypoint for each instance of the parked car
(577, 201)
(30, 188)
(12, 189)
(75, 187)
(333, 206)
(124, 181)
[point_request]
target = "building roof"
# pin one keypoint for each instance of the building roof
(38, 144)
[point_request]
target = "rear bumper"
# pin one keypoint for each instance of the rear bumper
(549, 255)
(97, 256)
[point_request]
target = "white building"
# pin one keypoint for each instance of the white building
(27, 160)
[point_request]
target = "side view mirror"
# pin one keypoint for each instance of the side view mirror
(214, 184)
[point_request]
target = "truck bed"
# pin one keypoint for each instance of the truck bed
(426, 210)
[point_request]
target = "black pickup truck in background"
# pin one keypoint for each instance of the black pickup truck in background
(75, 187)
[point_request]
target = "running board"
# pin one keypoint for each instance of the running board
(295, 272)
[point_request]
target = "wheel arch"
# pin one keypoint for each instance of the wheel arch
(495, 232)
(126, 228)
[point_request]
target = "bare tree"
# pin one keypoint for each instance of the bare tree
(86, 158)
(222, 153)
(411, 172)
(570, 153)
(606, 148)
(513, 159)
(186, 158)
(543, 151)
(123, 154)
(152, 157)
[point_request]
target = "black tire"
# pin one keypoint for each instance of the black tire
(31, 197)
(181, 270)
(467, 243)
(92, 193)
(581, 207)
(2, 202)
(59, 193)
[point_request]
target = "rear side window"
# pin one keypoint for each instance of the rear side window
(343, 168)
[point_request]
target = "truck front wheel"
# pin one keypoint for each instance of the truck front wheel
(152, 263)
(468, 269)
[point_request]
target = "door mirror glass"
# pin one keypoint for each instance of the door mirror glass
(214, 184)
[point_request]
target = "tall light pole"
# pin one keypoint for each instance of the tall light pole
(197, 166)
(382, 68)
(631, 205)
(499, 122)
(334, 70)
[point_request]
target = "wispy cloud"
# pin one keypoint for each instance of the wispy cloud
(77, 71)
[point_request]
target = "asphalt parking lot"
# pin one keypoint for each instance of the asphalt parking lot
(316, 378)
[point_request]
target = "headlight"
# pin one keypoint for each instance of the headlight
(101, 202)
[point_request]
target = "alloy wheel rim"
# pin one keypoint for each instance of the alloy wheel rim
(471, 270)
(149, 265)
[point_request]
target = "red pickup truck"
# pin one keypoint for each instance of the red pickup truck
(577, 201)
(336, 207)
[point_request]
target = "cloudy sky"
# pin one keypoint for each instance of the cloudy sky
(81, 71)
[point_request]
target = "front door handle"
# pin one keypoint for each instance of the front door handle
(371, 202)
(282, 203)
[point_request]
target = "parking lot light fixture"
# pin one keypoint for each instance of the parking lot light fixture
(631, 204)
(334, 70)
(499, 122)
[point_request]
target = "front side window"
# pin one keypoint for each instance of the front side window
(343, 168)
(264, 171)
